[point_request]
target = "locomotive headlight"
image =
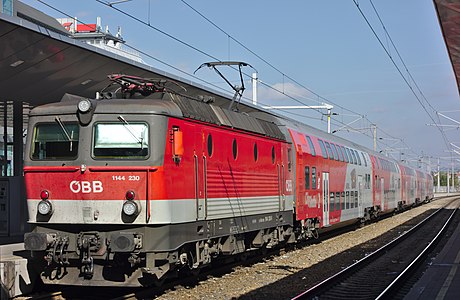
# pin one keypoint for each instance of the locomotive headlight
(130, 208)
(84, 105)
(44, 207)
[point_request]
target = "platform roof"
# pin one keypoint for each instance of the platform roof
(39, 64)
(449, 18)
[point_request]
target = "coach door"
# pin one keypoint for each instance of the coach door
(325, 178)
(382, 192)
(360, 195)
(281, 195)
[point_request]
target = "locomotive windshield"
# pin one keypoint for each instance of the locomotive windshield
(55, 141)
(121, 140)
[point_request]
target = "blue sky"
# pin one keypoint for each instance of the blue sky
(323, 45)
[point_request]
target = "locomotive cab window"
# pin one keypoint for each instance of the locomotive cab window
(121, 140)
(55, 141)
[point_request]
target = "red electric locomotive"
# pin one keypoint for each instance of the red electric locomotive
(133, 187)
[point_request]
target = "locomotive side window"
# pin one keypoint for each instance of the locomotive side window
(323, 149)
(235, 149)
(256, 152)
(121, 140)
(55, 141)
(342, 203)
(210, 145)
(273, 154)
(312, 147)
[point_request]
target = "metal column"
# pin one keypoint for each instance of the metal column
(18, 139)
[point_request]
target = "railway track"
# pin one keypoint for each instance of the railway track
(189, 283)
(382, 273)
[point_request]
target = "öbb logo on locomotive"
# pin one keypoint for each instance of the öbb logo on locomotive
(86, 187)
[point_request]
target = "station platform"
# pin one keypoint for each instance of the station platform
(14, 274)
(442, 278)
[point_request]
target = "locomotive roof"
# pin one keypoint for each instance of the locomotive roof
(170, 105)
(68, 105)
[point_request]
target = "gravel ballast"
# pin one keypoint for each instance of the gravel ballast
(286, 275)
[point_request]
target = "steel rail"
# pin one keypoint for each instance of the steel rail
(400, 278)
(321, 286)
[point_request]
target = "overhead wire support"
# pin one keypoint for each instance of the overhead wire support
(180, 70)
(398, 69)
(155, 28)
(387, 34)
(320, 98)
(112, 5)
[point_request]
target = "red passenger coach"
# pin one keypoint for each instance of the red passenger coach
(146, 183)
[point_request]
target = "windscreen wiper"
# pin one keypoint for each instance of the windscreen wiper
(69, 137)
(130, 130)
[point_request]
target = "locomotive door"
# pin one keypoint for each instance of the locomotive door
(199, 193)
(325, 177)
(200, 168)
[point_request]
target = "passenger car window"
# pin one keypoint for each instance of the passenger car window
(345, 155)
(313, 178)
(323, 149)
(312, 147)
(307, 178)
(357, 157)
(339, 151)
(329, 150)
(334, 150)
